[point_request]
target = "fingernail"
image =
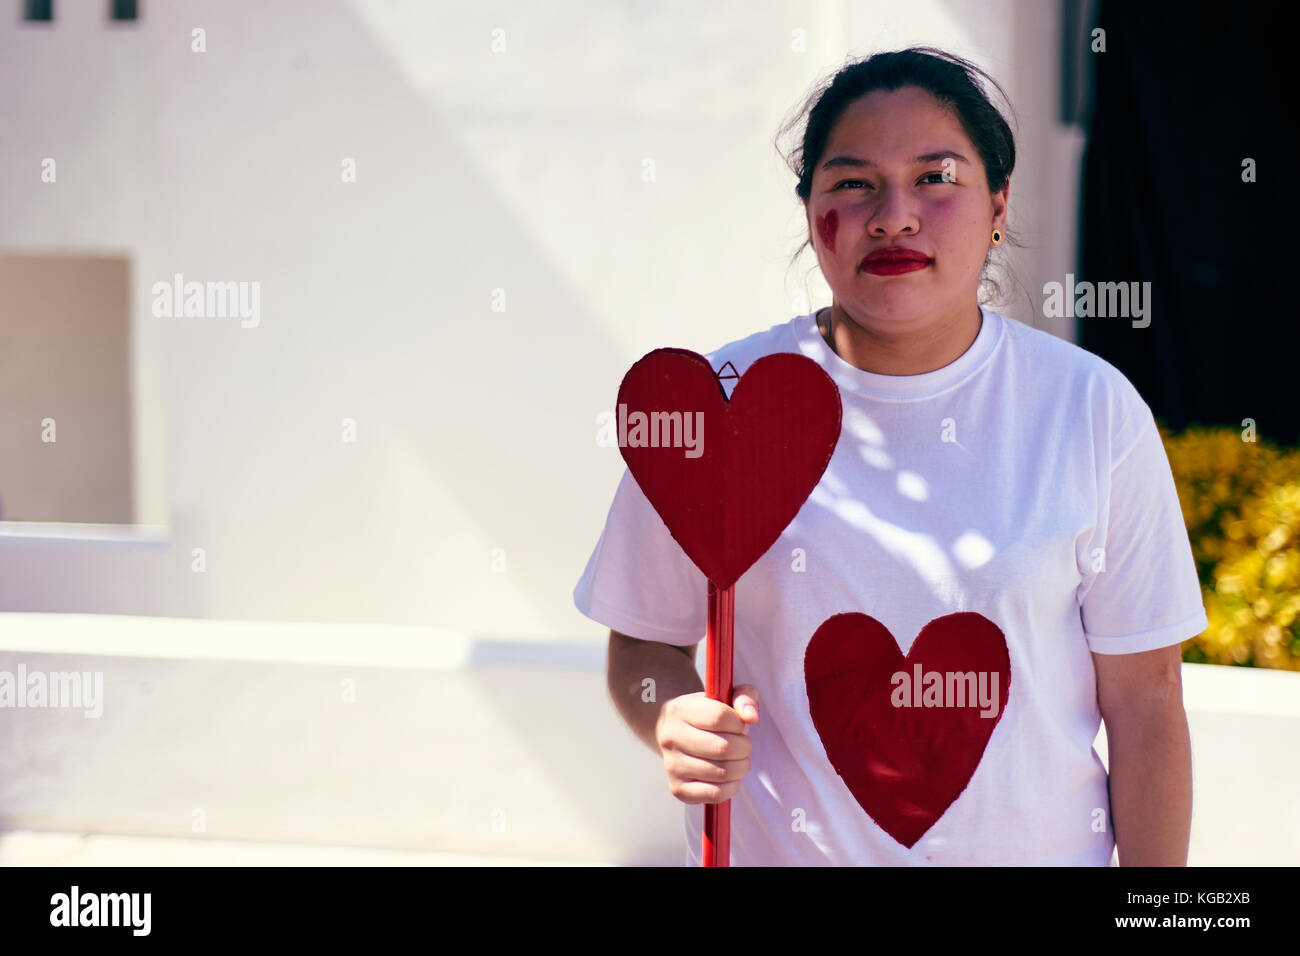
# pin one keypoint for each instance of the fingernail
(750, 711)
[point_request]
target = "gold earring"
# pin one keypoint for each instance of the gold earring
(997, 237)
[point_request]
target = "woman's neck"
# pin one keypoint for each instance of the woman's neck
(927, 349)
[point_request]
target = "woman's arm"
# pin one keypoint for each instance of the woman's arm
(630, 662)
(1141, 700)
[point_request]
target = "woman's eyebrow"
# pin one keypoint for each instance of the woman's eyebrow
(934, 157)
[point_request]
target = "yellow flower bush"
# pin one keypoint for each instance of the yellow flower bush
(1241, 504)
(1254, 605)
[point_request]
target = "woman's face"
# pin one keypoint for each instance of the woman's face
(902, 173)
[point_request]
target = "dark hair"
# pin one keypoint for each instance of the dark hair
(953, 81)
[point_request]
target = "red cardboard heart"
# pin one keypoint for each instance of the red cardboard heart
(759, 455)
(903, 760)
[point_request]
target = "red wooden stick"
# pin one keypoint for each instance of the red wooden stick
(717, 684)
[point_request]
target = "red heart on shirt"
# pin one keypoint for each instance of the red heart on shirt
(762, 453)
(905, 765)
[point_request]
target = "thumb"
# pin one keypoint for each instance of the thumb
(745, 701)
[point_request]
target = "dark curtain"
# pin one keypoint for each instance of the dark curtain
(1183, 94)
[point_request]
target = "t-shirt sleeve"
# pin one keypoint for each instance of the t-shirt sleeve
(638, 580)
(1146, 593)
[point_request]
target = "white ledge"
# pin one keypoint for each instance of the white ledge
(148, 534)
(298, 642)
(1207, 688)
(1223, 689)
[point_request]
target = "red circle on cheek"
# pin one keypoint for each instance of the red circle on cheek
(827, 226)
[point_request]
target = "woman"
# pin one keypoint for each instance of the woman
(999, 506)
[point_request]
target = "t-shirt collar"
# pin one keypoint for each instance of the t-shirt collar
(809, 342)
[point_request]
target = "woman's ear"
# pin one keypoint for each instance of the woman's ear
(1001, 199)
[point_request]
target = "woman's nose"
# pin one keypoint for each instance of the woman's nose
(893, 213)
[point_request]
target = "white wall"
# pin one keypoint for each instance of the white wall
(477, 171)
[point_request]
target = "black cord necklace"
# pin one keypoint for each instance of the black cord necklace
(829, 334)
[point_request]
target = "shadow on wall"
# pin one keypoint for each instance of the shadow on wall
(476, 427)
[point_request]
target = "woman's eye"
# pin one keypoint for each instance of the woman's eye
(854, 183)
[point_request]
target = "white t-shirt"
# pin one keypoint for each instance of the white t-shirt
(1025, 482)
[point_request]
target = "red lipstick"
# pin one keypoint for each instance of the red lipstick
(894, 260)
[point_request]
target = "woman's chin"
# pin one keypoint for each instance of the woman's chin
(894, 306)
